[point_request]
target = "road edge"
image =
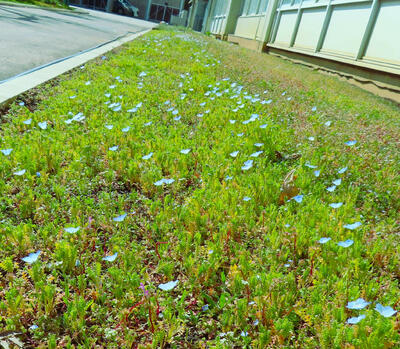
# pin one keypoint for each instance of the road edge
(10, 89)
(56, 9)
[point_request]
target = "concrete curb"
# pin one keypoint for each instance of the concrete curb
(20, 84)
(56, 9)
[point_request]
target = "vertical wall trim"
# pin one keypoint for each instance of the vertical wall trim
(296, 25)
(368, 30)
(325, 25)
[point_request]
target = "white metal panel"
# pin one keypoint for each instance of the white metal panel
(385, 40)
(346, 29)
(286, 27)
(310, 28)
(250, 27)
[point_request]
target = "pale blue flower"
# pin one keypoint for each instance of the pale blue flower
(256, 154)
(27, 122)
(246, 198)
(387, 311)
(232, 121)
(258, 145)
(352, 226)
(234, 154)
(111, 258)
(337, 181)
(350, 143)
(328, 123)
(33, 327)
(311, 139)
(6, 152)
(109, 127)
(205, 307)
(164, 181)
(72, 230)
(298, 198)
(346, 243)
(355, 320)
(264, 126)
(336, 204)
(342, 170)
(307, 164)
(126, 129)
(20, 173)
(114, 148)
(247, 165)
(177, 118)
(331, 189)
(314, 109)
(357, 304)
(147, 157)
(185, 151)
(32, 257)
(317, 173)
(324, 240)
(168, 286)
(120, 218)
(42, 125)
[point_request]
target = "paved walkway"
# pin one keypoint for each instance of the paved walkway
(31, 37)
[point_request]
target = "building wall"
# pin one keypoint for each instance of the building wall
(364, 33)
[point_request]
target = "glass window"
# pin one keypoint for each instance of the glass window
(245, 9)
(253, 7)
(263, 6)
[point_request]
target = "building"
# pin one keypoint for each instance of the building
(356, 38)
(153, 10)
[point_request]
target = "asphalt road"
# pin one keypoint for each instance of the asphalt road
(31, 37)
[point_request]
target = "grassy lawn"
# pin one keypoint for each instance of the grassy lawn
(41, 3)
(187, 193)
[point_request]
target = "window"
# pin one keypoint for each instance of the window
(263, 6)
(253, 7)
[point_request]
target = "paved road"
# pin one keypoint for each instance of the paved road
(31, 37)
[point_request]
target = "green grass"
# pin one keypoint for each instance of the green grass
(44, 3)
(251, 274)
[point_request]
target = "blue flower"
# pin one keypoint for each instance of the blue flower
(110, 258)
(164, 181)
(264, 126)
(72, 230)
(20, 173)
(258, 145)
(307, 164)
(32, 257)
(246, 198)
(357, 304)
(342, 170)
(27, 121)
(337, 181)
(6, 152)
(234, 154)
(350, 143)
(120, 218)
(353, 226)
(126, 129)
(43, 125)
(168, 286)
(331, 189)
(247, 165)
(314, 109)
(185, 151)
(324, 240)
(328, 123)
(317, 173)
(232, 121)
(336, 204)
(355, 320)
(385, 311)
(256, 154)
(298, 198)
(109, 127)
(205, 307)
(346, 243)
(147, 157)
(114, 148)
